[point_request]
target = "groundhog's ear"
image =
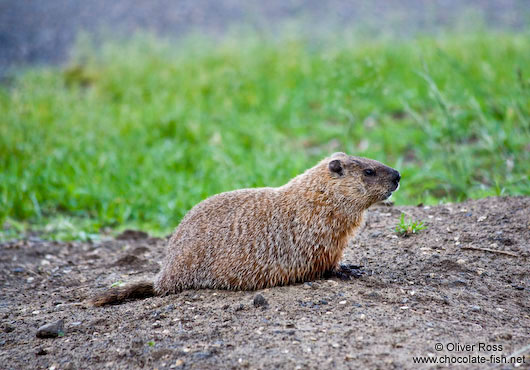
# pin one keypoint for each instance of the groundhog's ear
(335, 166)
(338, 154)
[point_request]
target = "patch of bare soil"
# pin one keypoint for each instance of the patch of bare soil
(463, 283)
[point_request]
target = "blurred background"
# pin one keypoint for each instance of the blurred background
(34, 31)
(127, 113)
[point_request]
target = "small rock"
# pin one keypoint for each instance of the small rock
(52, 330)
(475, 308)
(374, 295)
(139, 250)
(178, 363)
(332, 283)
(243, 363)
(202, 355)
(129, 260)
(132, 234)
(504, 336)
(458, 282)
(41, 352)
(260, 301)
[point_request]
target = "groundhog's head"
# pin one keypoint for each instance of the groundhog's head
(360, 180)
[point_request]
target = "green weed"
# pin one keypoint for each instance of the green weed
(409, 227)
(117, 284)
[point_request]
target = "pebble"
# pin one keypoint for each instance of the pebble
(178, 363)
(51, 330)
(202, 355)
(41, 352)
(458, 282)
(260, 301)
(475, 308)
(332, 283)
(243, 363)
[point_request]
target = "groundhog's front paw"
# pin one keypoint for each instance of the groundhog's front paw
(346, 272)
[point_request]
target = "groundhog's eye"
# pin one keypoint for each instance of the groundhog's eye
(369, 172)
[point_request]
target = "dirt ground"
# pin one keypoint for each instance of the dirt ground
(417, 293)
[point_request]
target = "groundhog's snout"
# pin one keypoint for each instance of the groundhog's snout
(395, 177)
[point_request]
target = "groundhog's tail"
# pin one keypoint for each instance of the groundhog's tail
(139, 290)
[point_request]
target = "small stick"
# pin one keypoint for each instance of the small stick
(491, 251)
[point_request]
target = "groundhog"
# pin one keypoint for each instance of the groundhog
(252, 239)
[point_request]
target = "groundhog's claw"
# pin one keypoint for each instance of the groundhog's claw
(346, 272)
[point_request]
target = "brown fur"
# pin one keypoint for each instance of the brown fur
(257, 238)
(138, 290)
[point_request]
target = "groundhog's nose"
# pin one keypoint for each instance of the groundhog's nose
(395, 178)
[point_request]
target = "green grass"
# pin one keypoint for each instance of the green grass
(136, 133)
(409, 227)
